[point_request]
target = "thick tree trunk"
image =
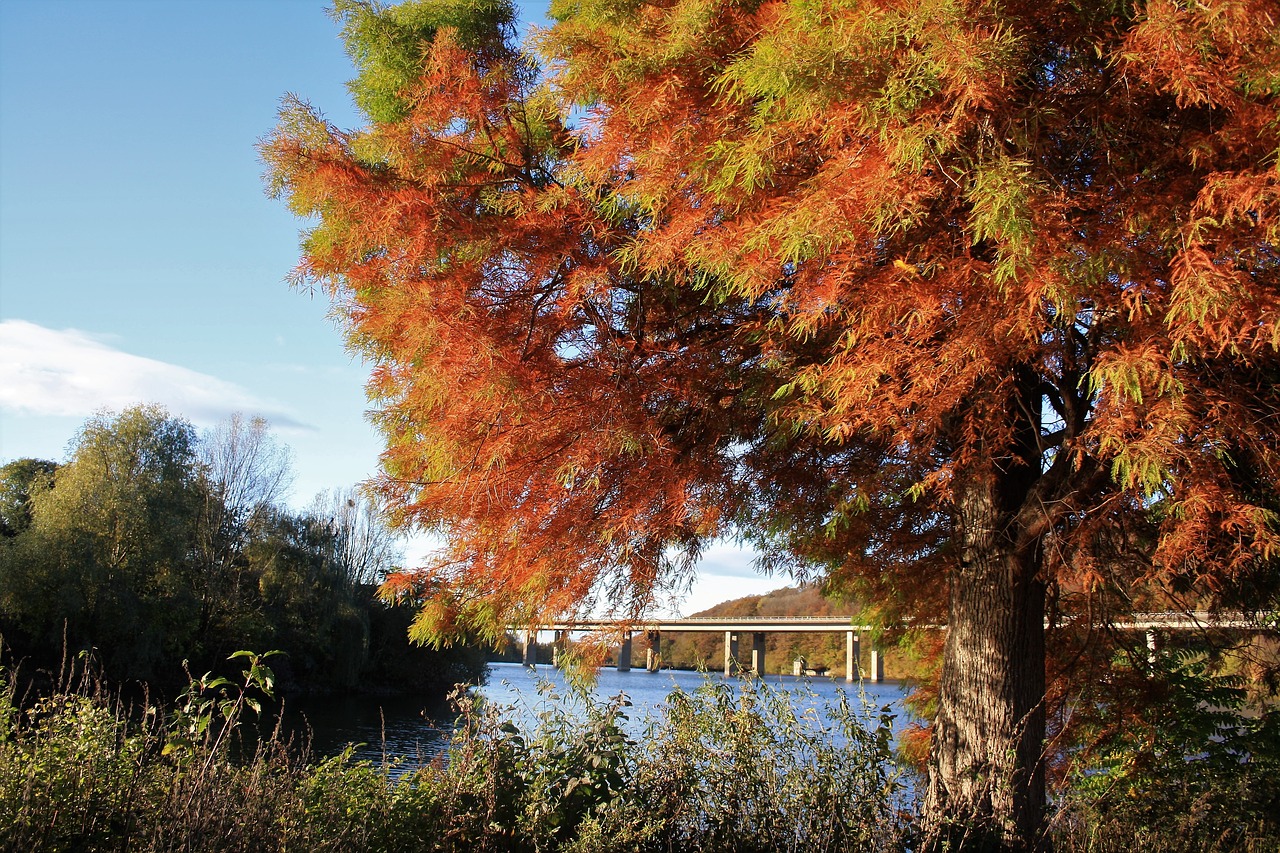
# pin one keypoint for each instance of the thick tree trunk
(986, 775)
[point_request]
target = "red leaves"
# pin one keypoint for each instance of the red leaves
(792, 273)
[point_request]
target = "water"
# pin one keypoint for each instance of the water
(416, 730)
(380, 729)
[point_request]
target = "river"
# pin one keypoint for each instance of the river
(416, 730)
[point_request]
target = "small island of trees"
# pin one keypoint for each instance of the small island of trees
(153, 548)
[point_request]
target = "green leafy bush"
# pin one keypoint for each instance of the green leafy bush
(1194, 771)
(738, 770)
(722, 768)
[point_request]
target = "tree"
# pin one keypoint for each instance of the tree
(246, 472)
(106, 560)
(365, 549)
(250, 469)
(972, 303)
(19, 479)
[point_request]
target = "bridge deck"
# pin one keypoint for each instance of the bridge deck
(1197, 620)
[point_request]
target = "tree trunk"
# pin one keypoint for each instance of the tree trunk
(986, 775)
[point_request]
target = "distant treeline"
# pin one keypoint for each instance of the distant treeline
(152, 545)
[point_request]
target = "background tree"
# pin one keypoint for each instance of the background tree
(307, 604)
(365, 549)
(973, 304)
(246, 473)
(106, 561)
(154, 550)
(19, 479)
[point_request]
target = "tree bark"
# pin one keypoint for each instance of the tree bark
(986, 774)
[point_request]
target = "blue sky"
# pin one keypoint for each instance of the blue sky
(140, 260)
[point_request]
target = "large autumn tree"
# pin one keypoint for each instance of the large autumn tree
(972, 302)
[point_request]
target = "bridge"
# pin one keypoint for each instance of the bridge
(735, 629)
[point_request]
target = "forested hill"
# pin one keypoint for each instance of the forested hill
(806, 600)
(691, 651)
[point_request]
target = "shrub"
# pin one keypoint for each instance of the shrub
(720, 769)
(1194, 771)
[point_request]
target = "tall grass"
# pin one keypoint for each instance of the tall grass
(721, 770)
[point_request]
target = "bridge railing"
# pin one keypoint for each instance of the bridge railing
(1151, 623)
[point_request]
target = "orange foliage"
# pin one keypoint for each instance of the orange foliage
(796, 272)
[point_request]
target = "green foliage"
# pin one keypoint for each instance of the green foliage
(208, 708)
(388, 44)
(739, 770)
(721, 770)
(18, 481)
(1002, 196)
(81, 773)
(154, 548)
(75, 759)
(1194, 771)
(105, 558)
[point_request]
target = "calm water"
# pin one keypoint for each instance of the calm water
(416, 731)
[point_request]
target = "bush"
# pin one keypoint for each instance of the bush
(719, 770)
(738, 770)
(80, 772)
(1193, 772)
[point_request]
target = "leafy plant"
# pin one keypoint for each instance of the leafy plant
(211, 707)
(1194, 770)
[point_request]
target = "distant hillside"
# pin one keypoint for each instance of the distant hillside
(693, 651)
(805, 600)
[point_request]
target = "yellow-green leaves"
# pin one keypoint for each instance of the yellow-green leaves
(389, 43)
(1002, 195)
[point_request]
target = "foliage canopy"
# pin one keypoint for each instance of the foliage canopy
(151, 547)
(973, 304)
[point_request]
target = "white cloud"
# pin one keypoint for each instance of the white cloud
(70, 373)
(729, 560)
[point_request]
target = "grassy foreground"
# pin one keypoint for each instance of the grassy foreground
(724, 768)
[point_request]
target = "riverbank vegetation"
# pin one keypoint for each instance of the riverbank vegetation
(726, 767)
(152, 545)
(723, 769)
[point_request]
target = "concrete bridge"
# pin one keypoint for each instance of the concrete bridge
(736, 630)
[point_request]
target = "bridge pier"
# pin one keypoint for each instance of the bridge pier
(530, 649)
(559, 647)
(877, 665)
(757, 654)
(730, 654)
(624, 653)
(653, 654)
(852, 655)
(1153, 643)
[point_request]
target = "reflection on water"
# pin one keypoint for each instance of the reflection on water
(381, 729)
(414, 730)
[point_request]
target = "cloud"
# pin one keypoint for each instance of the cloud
(728, 560)
(70, 373)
